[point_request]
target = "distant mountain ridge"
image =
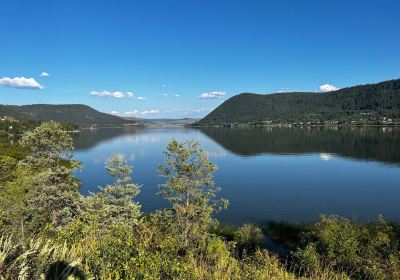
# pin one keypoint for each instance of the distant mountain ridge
(166, 122)
(82, 115)
(364, 101)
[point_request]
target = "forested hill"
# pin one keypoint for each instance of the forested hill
(82, 115)
(365, 103)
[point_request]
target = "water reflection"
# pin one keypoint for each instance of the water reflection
(377, 144)
(373, 143)
(266, 173)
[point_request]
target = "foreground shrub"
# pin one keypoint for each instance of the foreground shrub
(38, 259)
(364, 251)
(248, 238)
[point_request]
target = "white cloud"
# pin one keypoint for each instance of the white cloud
(137, 113)
(166, 95)
(212, 95)
(141, 98)
(185, 111)
(114, 94)
(150, 112)
(44, 74)
(20, 82)
(115, 113)
(283, 90)
(327, 88)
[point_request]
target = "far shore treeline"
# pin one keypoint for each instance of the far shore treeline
(372, 104)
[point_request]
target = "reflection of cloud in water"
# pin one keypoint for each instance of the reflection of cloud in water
(216, 154)
(100, 159)
(145, 138)
(325, 156)
(104, 158)
(130, 157)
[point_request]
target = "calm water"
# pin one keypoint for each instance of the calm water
(291, 174)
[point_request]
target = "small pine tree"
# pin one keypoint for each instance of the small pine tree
(114, 204)
(48, 143)
(53, 196)
(190, 188)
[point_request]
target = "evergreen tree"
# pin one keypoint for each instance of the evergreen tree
(49, 143)
(114, 204)
(190, 188)
(53, 196)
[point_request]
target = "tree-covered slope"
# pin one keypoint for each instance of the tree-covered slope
(366, 101)
(78, 114)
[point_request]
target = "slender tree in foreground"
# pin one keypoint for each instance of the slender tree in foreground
(190, 187)
(53, 196)
(114, 204)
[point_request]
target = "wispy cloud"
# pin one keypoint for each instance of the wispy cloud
(141, 98)
(173, 95)
(113, 94)
(105, 93)
(212, 95)
(185, 111)
(20, 83)
(137, 113)
(44, 74)
(327, 88)
(283, 90)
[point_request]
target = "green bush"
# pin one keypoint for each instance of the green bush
(248, 238)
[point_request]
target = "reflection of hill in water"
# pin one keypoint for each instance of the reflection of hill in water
(378, 144)
(89, 138)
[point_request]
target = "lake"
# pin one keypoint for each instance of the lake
(269, 173)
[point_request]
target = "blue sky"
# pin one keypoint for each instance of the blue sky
(183, 58)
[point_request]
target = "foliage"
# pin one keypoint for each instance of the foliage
(13, 150)
(7, 164)
(190, 188)
(13, 127)
(248, 238)
(114, 204)
(38, 259)
(364, 251)
(12, 204)
(54, 196)
(308, 259)
(50, 231)
(70, 115)
(364, 104)
(48, 144)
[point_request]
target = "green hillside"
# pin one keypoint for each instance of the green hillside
(361, 104)
(82, 115)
